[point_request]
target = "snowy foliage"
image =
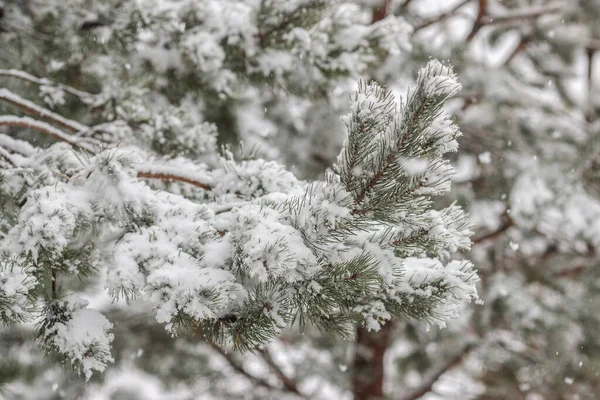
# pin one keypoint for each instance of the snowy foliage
(81, 334)
(115, 187)
(123, 184)
(258, 248)
(16, 287)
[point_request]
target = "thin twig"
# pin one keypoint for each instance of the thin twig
(483, 19)
(590, 83)
(479, 20)
(405, 5)
(287, 382)
(14, 73)
(427, 385)
(54, 290)
(494, 234)
(172, 177)
(523, 42)
(237, 367)
(441, 17)
(381, 12)
(575, 271)
(519, 15)
(40, 112)
(43, 127)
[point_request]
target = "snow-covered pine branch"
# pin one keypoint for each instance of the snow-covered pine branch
(329, 253)
(167, 82)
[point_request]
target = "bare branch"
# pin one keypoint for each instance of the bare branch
(590, 52)
(289, 384)
(165, 174)
(494, 234)
(45, 128)
(381, 12)
(40, 112)
(427, 385)
(575, 271)
(520, 15)
(523, 42)
(154, 173)
(238, 368)
(483, 19)
(14, 73)
(441, 17)
(479, 20)
(405, 5)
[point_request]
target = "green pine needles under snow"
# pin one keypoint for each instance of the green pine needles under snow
(237, 249)
(176, 183)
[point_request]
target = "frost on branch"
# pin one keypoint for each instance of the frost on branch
(220, 43)
(81, 334)
(256, 249)
(16, 292)
(373, 168)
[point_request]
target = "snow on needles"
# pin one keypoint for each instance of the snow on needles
(16, 286)
(81, 334)
(252, 245)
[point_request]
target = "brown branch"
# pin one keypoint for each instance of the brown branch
(590, 43)
(42, 127)
(494, 234)
(54, 290)
(321, 159)
(405, 5)
(74, 126)
(381, 12)
(483, 19)
(17, 146)
(478, 24)
(579, 266)
(427, 385)
(590, 83)
(573, 272)
(14, 73)
(368, 368)
(469, 101)
(172, 177)
(254, 379)
(520, 47)
(519, 15)
(288, 383)
(441, 17)
(45, 128)
(40, 112)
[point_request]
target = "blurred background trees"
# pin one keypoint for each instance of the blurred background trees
(527, 171)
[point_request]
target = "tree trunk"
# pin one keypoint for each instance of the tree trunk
(381, 12)
(368, 368)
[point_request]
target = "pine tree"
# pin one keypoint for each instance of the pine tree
(119, 184)
(528, 111)
(155, 89)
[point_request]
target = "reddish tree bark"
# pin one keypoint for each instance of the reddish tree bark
(368, 368)
(382, 11)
